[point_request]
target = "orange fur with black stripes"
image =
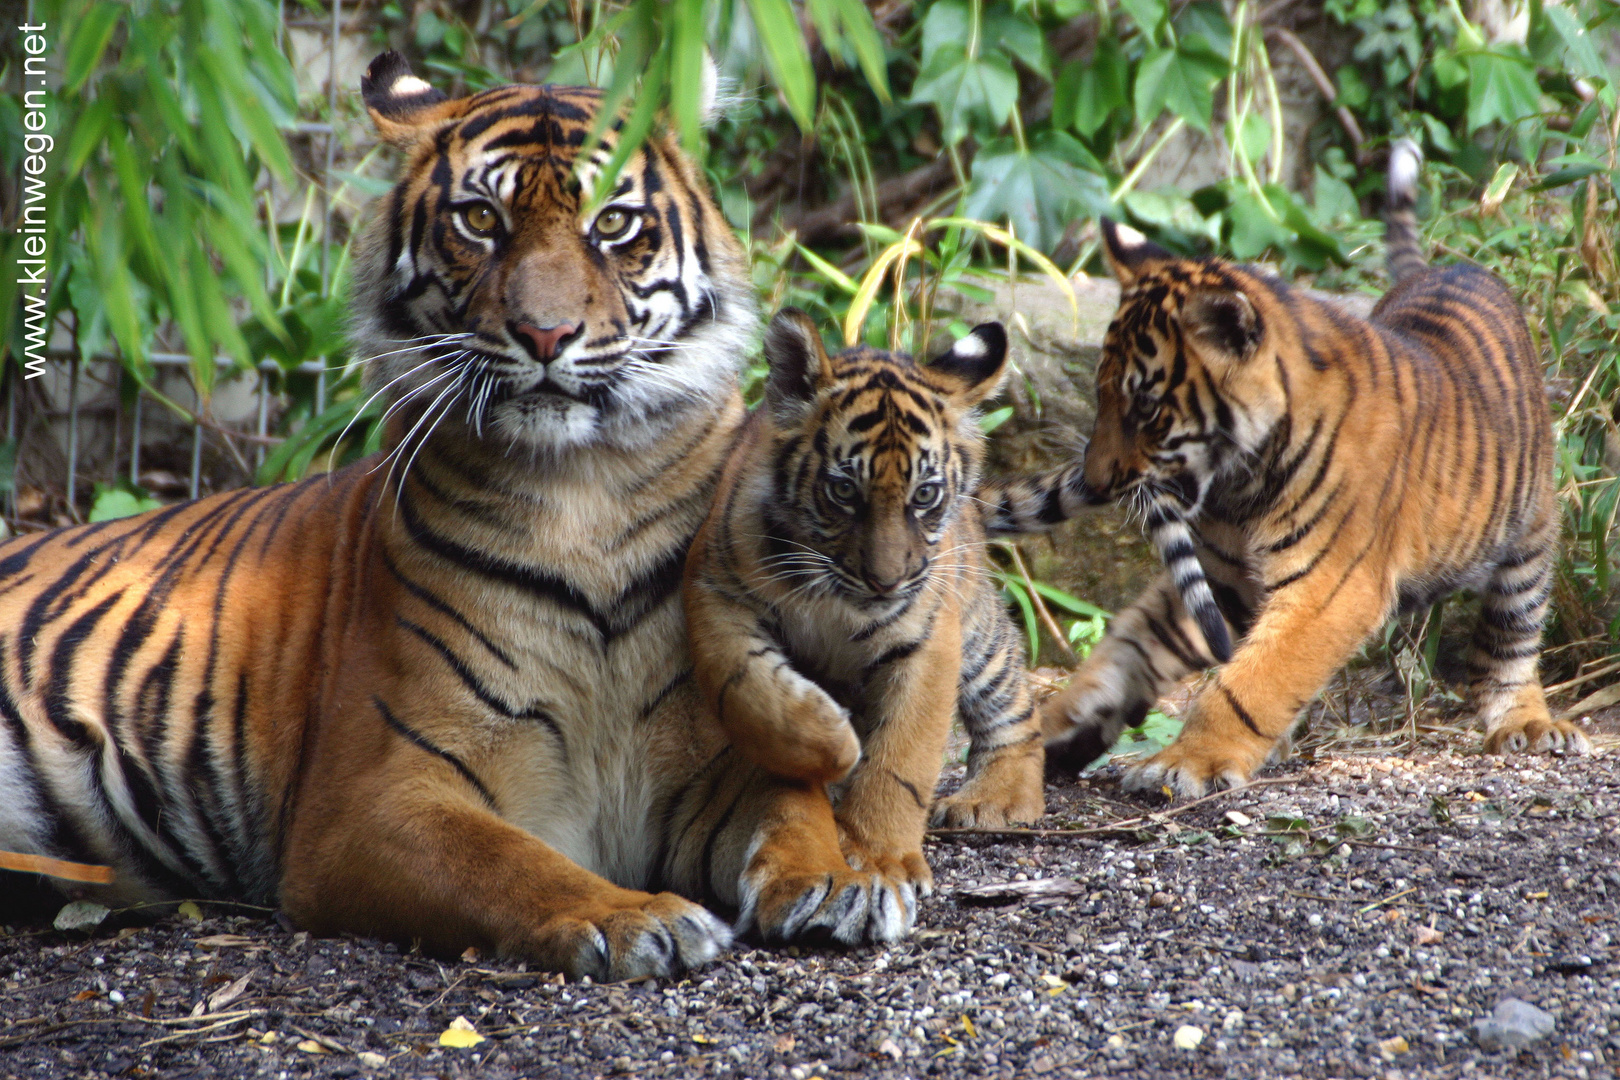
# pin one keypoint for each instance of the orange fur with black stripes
(839, 600)
(444, 694)
(1327, 472)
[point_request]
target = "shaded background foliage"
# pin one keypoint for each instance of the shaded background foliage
(211, 159)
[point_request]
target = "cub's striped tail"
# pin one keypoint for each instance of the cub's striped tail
(1402, 247)
(1035, 503)
(1032, 504)
(1172, 538)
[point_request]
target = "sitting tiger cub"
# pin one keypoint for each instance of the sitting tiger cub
(838, 599)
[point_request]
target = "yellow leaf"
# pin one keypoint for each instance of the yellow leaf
(460, 1034)
(310, 1046)
(190, 910)
(1537, 896)
(967, 1026)
(701, 1039)
(862, 303)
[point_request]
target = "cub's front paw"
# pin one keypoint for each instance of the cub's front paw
(851, 907)
(1189, 767)
(905, 867)
(996, 797)
(1536, 735)
(808, 738)
(663, 935)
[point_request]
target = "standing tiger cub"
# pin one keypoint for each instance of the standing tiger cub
(1332, 471)
(838, 599)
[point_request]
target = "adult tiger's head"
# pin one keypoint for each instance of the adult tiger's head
(871, 454)
(489, 290)
(1186, 386)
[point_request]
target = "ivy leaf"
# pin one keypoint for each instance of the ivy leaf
(984, 89)
(1210, 22)
(1087, 94)
(1146, 14)
(1500, 88)
(1253, 230)
(1580, 54)
(948, 25)
(1038, 190)
(1181, 79)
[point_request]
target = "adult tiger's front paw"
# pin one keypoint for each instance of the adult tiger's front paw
(1192, 765)
(851, 907)
(661, 935)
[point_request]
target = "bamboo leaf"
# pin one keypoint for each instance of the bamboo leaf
(863, 37)
(89, 129)
(787, 58)
(686, 73)
(89, 41)
(828, 270)
(862, 303)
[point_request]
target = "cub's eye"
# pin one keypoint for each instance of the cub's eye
(841, 488)
(480, 218)
(926, 495)
(612, 224)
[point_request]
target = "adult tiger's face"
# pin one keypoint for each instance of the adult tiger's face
(493, 295)
(871, 455)
(1185, 386)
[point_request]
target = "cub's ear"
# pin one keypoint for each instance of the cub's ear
(404, 107)
(797, 359)
(976, 362)
(1130, 254)
(1222, 321)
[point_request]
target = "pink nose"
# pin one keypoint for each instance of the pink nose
(544, 342)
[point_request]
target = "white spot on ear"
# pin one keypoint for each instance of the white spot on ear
(970, 348)
(1129, 237)
(409, 84)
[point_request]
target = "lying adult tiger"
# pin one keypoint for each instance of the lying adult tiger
(445, 694)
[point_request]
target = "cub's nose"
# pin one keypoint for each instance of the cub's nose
(544, 342)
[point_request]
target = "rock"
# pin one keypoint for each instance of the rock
(80, 915)
(1513, 1025)
(1188, 1037)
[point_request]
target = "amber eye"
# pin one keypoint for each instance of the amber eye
(612, 224)
(480, 218)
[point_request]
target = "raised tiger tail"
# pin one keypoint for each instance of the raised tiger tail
(1032, 504)
(1403, 249)
(1172, 537)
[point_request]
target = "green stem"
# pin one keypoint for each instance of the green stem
(1145, 160)
(975, 17)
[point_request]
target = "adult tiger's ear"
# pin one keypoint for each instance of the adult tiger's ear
(797, 359)
(1130, 254)
(404, 107)
(1222, 321)
(975, 363)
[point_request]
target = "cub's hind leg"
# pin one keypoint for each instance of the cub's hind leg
(1506, 688)
(1004, 783)
(1150, 647)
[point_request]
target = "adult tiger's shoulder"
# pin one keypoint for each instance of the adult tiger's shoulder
(1307, 474)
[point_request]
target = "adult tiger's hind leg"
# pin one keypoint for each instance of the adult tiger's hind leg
(1502, 658)
(769, 849)
(1151, 646)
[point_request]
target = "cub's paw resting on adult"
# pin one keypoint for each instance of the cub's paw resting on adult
(662, 935)
(908, 868)
(1517, 733)
(850, 907)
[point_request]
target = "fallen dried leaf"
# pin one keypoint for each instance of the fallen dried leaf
(223, 997)
(460, 1034)
(1011, 892)
(222, 941)
(310, 1046)
(189, 910)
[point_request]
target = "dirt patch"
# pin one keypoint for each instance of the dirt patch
(1402, 900)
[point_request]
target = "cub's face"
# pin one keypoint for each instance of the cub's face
(872, 454)
(1184, 385)
(494, 295)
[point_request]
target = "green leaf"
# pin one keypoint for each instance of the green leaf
(90, 38)
(1253, 230)
(967, 90)
(120, 502)
(1039, 191)
(995, 418)
(1581, 55)
(1208, 21)
(863, 37)
(89, 129)
(1500, 88)
(1181, 79)
(787, 58)
(8, 466)
(1333, 200)
(686, 73)
(1087, 94)
(1146, 14)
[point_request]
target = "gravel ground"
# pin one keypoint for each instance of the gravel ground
(1405, 897)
